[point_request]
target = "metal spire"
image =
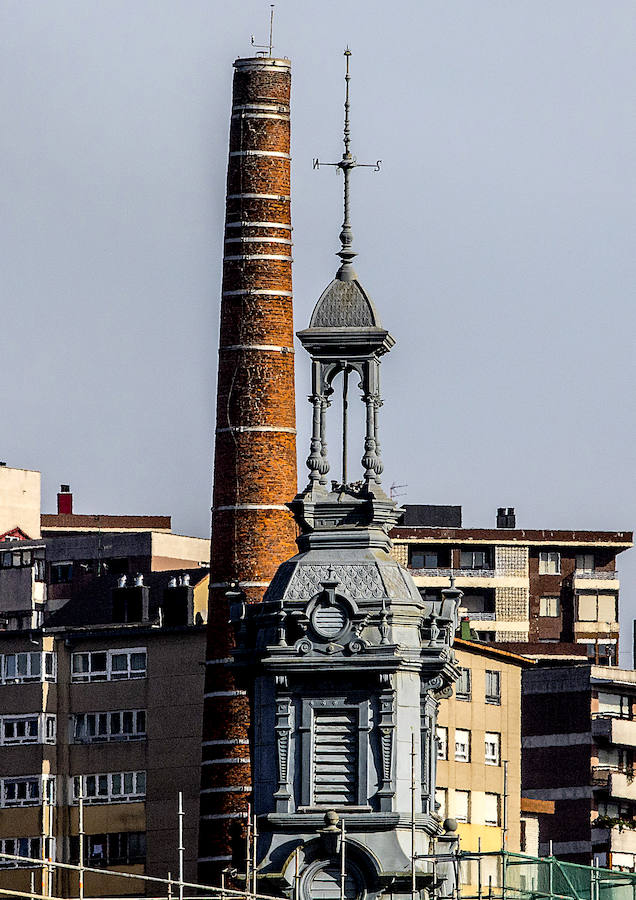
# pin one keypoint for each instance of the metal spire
(348, 162)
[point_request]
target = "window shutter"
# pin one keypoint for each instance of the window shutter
(335, 757)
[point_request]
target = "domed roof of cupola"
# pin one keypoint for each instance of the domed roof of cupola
(345, 304)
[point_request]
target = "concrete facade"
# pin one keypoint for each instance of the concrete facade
(578, 743)
(19, 502)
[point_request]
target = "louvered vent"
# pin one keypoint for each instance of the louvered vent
(325, 885)
(329, 620)
(335, 757)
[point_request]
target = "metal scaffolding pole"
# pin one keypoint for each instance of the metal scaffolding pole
(181, 847)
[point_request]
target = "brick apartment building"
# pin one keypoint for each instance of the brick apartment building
(579, 741)
(539, 592)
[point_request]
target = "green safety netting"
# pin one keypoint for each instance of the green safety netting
(514, 876)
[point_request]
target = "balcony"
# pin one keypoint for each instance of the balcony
(615, 839)
(620, 785)
(594, 629)
(589, 581)
(615, 730)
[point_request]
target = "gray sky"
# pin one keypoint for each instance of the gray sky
(498, 243)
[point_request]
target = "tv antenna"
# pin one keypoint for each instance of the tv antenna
(397, 490)
(268, 47)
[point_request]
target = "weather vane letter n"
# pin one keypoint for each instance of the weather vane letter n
(346, 164)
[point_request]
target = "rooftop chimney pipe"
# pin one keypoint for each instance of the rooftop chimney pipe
(65, 501)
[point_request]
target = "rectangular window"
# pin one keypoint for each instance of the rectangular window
(595, 607)
(491, 809)
(27, 790)
(25, 846)
(614, 705)
(109, 665)
(462, 687)
(493, 687)
(549, 563)
(61, 573)
(37, 728)
(462, 745)
(441, 802)
(112, 787)
(118, 725)
(462, 806)
(492, 754)
(335, 757)
(474, 559)
(549, 606)
(424, 559)
(20, 668)
(442, 742)
(120, 848)
(584, 562)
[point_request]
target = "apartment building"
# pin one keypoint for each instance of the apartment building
(579, 740)
(547, 594)
(102, 656)
(479, 748)
(102, 697)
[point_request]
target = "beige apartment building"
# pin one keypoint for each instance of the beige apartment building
(479, 748)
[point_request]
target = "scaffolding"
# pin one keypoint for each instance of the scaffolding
(501, 875)
(498, 875)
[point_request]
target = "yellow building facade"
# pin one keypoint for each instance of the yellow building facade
(479, 749)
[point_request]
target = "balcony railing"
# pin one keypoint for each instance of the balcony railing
(458, 573)
(477, 616)
(596, 576)
(618, 781)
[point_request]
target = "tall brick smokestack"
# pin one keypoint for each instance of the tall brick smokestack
(255, 447)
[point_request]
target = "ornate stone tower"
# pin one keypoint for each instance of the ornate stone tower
(255, 446)
(344, 662)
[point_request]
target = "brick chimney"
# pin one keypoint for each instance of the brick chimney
(255, 444)
(65, 501)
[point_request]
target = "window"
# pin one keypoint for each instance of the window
(109, 665)
(441, 802)
(462, 745)
(595, 607)
(33, 556)
(462, 687)
(335, 757)
(113, 787)
(120, 725)
(584, 562)
(28, 846)
(120, 848)
(18, 668)
(549, 563)
(462, 806)
(491, 809)
(493, 687)
(442, 742)
(614, 705)
(27, 790)
(492, 755)
(61, 573)
(33, 729)
(474, 559)
(549, 606)
(425, 559)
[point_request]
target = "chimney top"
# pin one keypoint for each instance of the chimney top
(65, 501)
(506, 517)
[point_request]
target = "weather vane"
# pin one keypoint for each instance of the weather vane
(346, 164)
(269, 46)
